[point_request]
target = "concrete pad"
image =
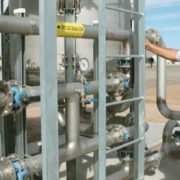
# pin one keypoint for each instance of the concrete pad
(154, 134)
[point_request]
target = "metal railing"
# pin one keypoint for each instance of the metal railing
(138, 100)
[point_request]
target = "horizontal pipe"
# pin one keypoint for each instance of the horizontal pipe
(33, 164)
(66, 90)
(30, 26)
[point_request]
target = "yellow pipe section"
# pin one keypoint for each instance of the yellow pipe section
(66, 29)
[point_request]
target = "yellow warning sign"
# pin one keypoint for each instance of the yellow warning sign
(66, 29)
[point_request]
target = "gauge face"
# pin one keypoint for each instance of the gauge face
(83, 64)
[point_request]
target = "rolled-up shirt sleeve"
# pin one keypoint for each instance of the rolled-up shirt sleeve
(178, 56)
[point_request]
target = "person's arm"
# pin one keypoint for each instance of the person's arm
(170, 54)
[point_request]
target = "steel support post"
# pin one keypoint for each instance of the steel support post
(139, 106)
(95, 112)
(2, 133)
(48, 78)
(102, 88)
(7, 123)
(70, 54)
(20, 118)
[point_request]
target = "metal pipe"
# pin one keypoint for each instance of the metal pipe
(33, 164)
(61, 119)
(30, 26)
(3, 100)
(161, 92)
(169, 145)
(155, 37)
(73, 121)
(72, 102)
(66, 90)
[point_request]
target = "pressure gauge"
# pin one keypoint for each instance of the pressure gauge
(83, 64)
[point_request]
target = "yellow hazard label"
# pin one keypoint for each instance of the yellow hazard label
(66, 29)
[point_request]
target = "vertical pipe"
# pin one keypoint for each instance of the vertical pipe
(70, 49)
(72, 109)
(48, 79)
(161, 77)
(20, 118)
(139, 106)
(102, 88)
(73, 124)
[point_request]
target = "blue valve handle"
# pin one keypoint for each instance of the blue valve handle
(17, 95)
(126, 83)
(126, 137)
(87, 88)
(93, 100)
(20, 172)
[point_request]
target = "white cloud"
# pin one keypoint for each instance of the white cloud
(161, 3)
(164, 16)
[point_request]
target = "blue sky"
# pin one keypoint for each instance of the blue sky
(164, 16)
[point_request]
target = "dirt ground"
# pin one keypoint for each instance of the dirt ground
(152, 113)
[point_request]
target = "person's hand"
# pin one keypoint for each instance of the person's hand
(147, 44)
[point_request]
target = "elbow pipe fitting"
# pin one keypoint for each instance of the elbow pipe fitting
(169, 145)
(161, 92)
(168, 130)
(166, 111)
(156, 38)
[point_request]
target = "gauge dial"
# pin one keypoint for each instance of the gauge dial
(83, 64)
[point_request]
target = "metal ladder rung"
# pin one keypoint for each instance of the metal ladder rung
(124, 145)
(110, 57)
(125, 11)
(124, 101)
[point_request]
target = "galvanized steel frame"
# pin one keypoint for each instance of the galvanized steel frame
(102, 88)
(139, 90)
(48, 78)
(139, 106)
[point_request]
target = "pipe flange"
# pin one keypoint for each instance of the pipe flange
(120, 131)
(6, 103)
(7, 171)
